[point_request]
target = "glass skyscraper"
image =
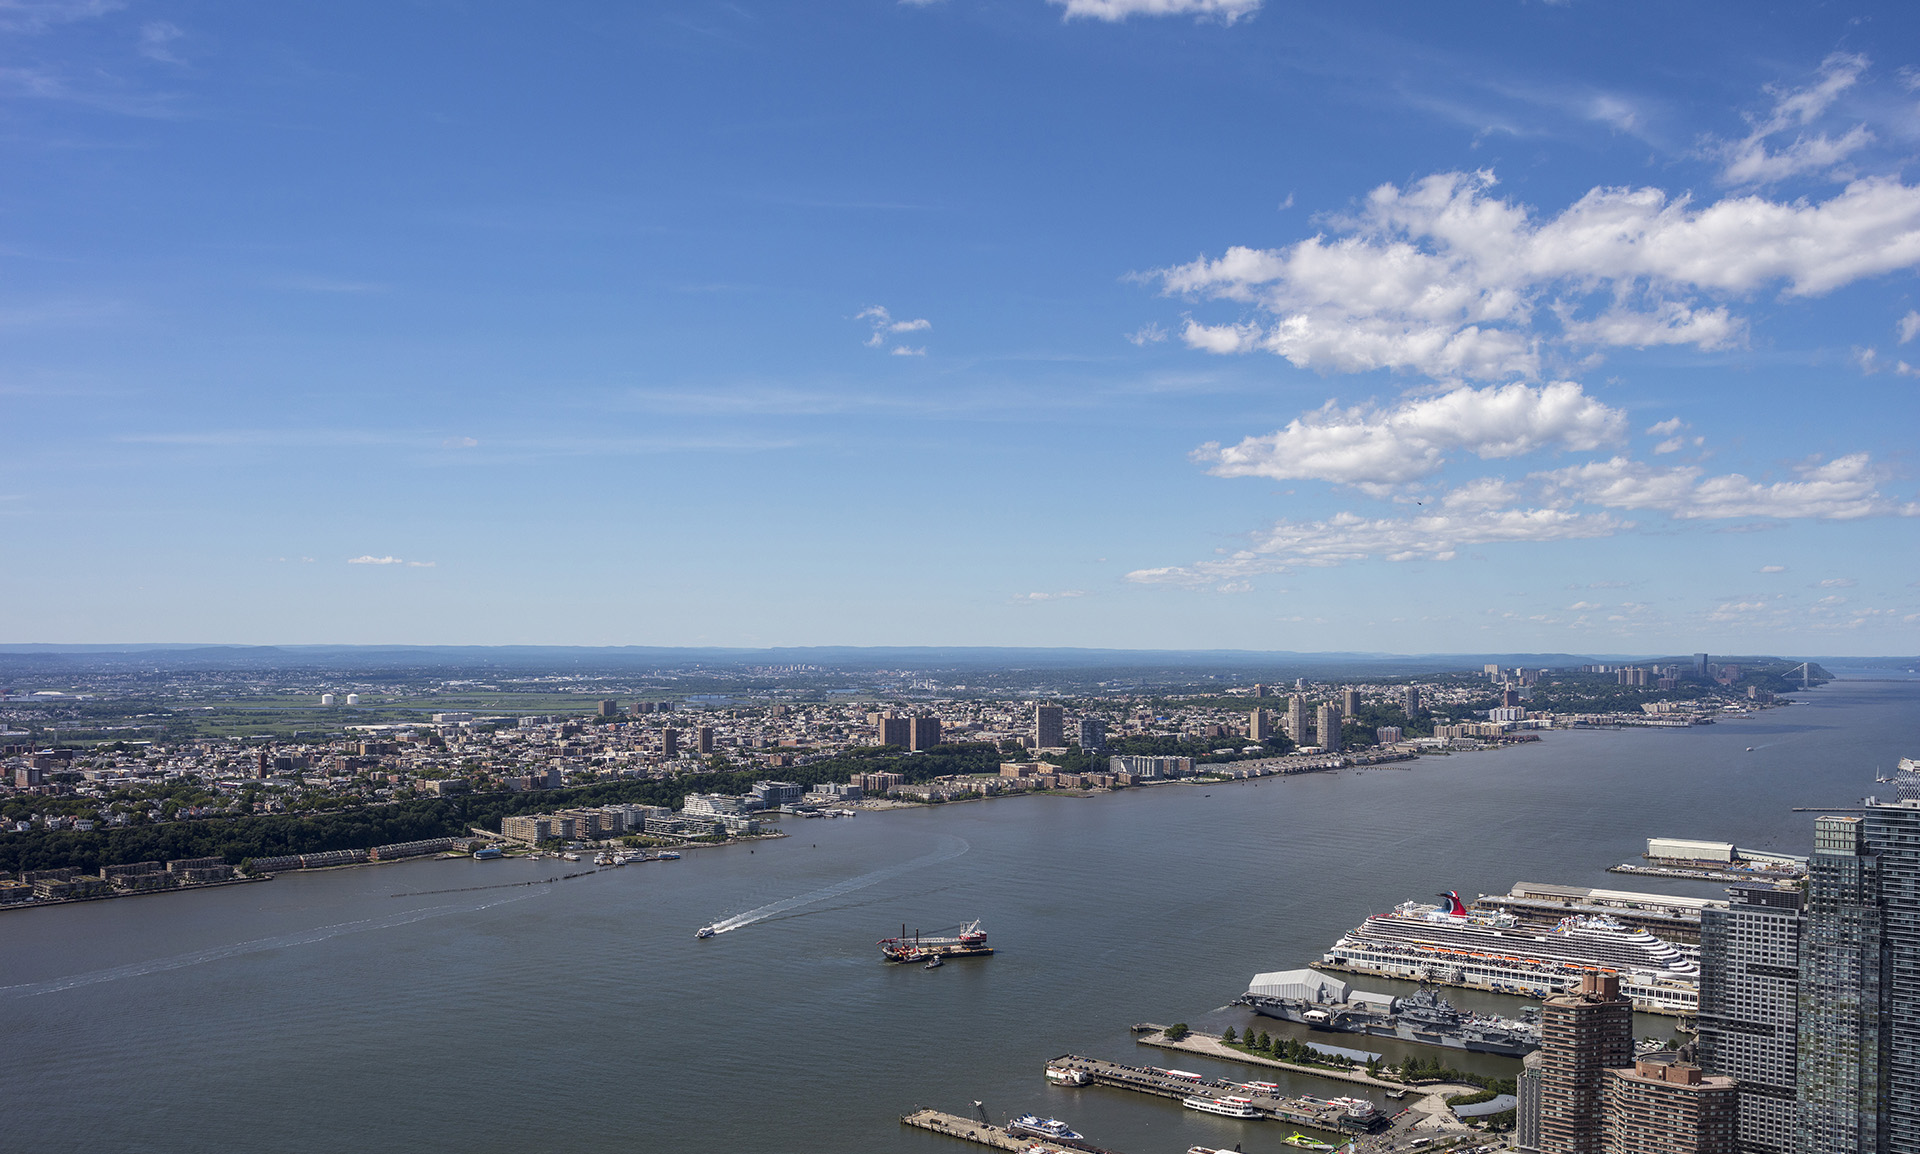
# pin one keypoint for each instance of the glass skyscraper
(1893, 836)
(1749, 1007)
(1843, 1044)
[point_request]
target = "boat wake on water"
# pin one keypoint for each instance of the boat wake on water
(238, 949)
(959, 846)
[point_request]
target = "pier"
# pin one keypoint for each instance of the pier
(1173, 1084)
(1211, 1046)
(985, 1134)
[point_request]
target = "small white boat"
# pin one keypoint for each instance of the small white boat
(570, 857)
(1067, 1076)
(705, 932)
(1052, 1129)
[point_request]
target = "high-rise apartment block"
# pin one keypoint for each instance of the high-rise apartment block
(609, 708)
(1858, 1079)
(890, 729)
(1410, 700)
(1526, 1111)
(1893, 833)
(1350, 702)
(923, 733)
(1261, 691)
(706, 739)
(1749, 1007)
(1660, 1105)
(670, 742)
(1049, 726)
(1839, 1078)
(1297, 719)
(1093, 733)
(1583, 1035)
(1327, 726)
(1259, 726)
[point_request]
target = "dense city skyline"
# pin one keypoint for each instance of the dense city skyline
(1179, 324)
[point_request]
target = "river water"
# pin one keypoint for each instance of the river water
(320, 1012)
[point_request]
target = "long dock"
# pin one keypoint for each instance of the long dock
(1209, 1045)
(1174, 1084)
(974, 1130)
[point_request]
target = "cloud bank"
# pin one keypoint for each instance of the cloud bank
(1445, 278)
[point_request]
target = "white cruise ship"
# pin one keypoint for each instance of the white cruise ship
(1455, 946)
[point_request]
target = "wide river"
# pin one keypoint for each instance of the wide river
(353, 1010)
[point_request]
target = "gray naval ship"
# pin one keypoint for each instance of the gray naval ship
(1322, 1003)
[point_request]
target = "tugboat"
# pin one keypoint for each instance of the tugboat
(967, 941)
(933, 963)
(705, 932)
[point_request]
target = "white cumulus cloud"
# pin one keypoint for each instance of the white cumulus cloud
(1845, 488)
(1445, 278)
(1371, 446)
(370, 559)
(882, 326)
(1113, 11)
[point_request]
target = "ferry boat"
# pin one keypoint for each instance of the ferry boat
(1052, 1129)
(1067, 1076)
(1452, 945)
(569, 856)
(669, 855)
(967, 941)
(1225, 1107)
(705, 932)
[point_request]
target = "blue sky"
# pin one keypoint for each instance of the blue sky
(1146, 323)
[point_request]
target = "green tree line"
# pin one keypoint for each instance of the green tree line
(278, 835)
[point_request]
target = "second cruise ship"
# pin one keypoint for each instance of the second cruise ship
(1453, 945)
